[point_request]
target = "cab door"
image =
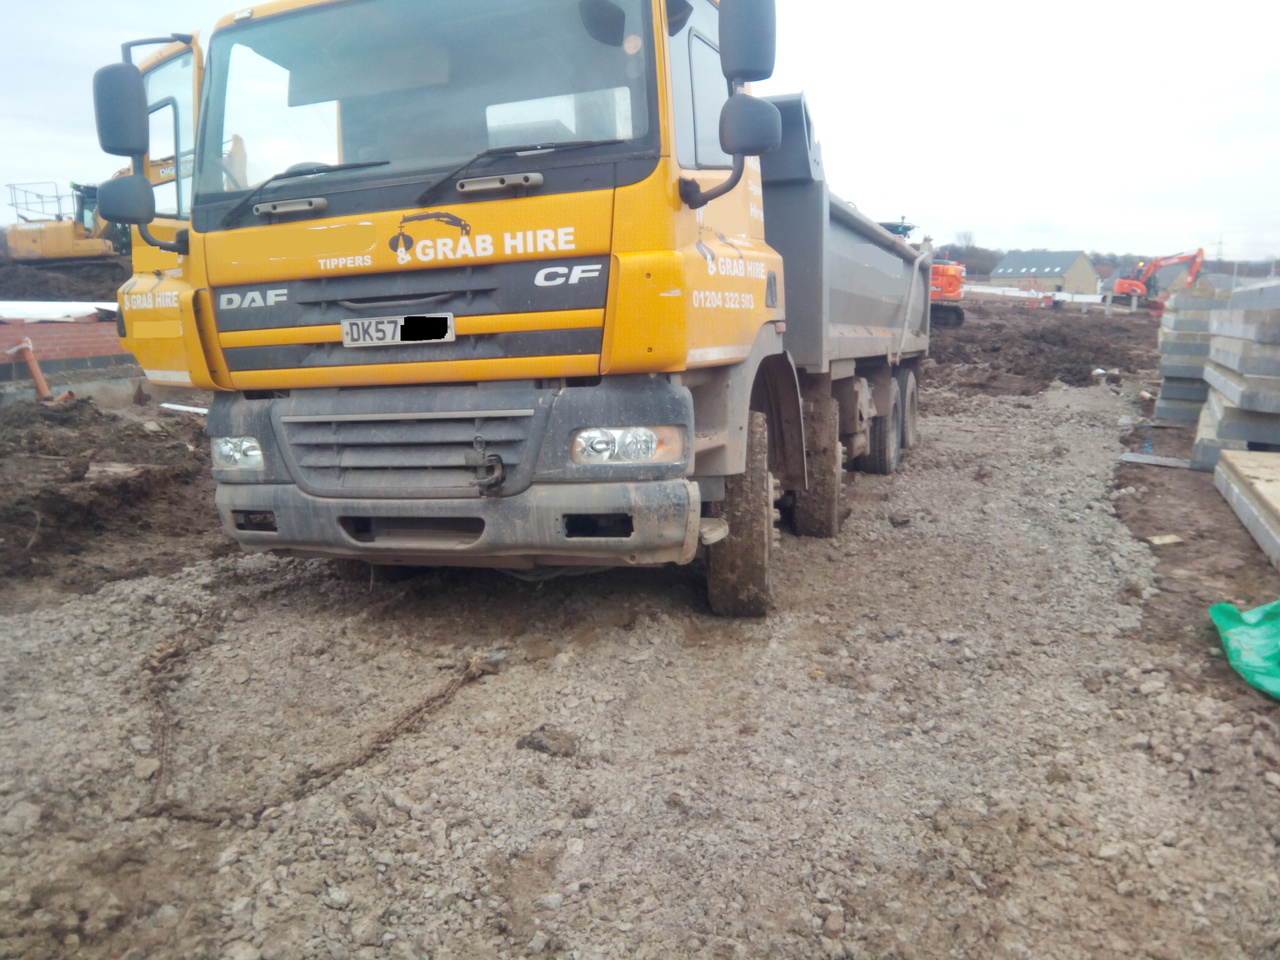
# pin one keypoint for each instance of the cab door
(172, 77)
(159, 311)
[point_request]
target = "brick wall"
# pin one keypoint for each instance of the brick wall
(61, 346)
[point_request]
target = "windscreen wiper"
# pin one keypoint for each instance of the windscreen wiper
(435, 186)
(298, 170)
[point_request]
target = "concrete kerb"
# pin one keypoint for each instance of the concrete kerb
(1187, 411)
(1184, 323)
(1232, 423)
(1248, 392)
(1258, 326)
(1246, 356)
(1177, 367)
(1208, 445)
(1246, 481)
(1184, 388)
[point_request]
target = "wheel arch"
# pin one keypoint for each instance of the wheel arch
(765, 381)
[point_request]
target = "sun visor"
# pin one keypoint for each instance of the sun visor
(393, 68)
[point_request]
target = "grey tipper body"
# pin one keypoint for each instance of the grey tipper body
(850, 289)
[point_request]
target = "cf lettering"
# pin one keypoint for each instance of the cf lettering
(556, 276)
(551, 276)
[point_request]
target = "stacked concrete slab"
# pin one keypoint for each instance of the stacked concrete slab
(1242, 372)
(1250, 482)
(1184, 347)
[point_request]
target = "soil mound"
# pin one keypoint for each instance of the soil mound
(1014, 350)
(95, 280)
(131, 492)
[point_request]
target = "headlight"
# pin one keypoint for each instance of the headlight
(628, 445)
(237, 453)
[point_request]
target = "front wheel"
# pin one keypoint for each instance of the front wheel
(739, 582)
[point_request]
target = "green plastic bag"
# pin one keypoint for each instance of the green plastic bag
(1252, 642)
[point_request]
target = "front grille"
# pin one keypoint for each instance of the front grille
(433, 454)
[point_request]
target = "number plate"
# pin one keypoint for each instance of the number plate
(385, 331)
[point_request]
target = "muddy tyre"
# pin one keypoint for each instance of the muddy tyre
(909, 394)
(739, 583)
(886, 437)
(819, 510)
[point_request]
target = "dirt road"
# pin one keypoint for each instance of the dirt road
(989, 721)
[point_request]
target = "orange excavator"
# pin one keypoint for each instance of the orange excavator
(946, 287)
(1140, 284)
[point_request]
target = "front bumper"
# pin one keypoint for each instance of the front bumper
(548, 524)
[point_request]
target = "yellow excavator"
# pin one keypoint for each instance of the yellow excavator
(55, 227)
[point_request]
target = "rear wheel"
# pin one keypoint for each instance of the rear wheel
(739, 583)
(909, 393)
(819, 510)
(886, 436)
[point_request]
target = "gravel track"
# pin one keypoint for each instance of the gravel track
(946, 741)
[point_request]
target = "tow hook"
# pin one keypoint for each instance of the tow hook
(493, 473)
(490, 470)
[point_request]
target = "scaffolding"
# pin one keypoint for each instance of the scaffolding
(35, 202)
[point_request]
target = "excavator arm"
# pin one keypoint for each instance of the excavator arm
(1136, 283)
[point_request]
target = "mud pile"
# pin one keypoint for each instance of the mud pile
(122, 491)
(1013, 350)
(95, 280)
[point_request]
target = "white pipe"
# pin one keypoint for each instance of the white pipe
(203, 411)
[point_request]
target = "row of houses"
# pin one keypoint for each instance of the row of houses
(1071, 271)
(1067, 271)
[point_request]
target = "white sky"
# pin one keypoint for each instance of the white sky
(1113, 126)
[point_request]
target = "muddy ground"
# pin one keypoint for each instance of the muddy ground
(92, 281)
(988, 721)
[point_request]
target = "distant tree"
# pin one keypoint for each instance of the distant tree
(978, 261)
(964, 239)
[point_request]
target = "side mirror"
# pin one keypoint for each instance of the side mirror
(604, 20)
(128, 199)
(748, 39)
(749, 126)
(120, 105)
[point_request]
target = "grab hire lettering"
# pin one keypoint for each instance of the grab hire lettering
(470, 246)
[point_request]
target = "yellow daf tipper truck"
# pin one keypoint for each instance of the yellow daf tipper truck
(515, 283)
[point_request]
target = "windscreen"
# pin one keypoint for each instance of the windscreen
(420, 84)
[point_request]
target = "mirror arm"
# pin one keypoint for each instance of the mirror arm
(126, 49)
(181, 243)
(693, 194)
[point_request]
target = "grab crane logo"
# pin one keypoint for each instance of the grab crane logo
(406, 248)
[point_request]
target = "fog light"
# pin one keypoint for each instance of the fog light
(628, 445)
(237, 453)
